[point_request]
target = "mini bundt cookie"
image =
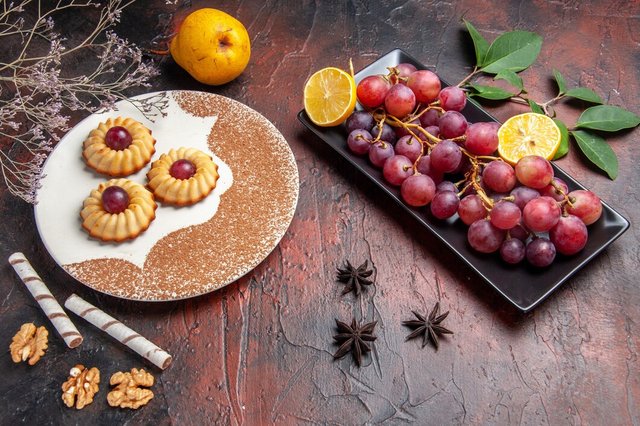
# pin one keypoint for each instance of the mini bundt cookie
(118, 210)
(183, 177)
(118, 147)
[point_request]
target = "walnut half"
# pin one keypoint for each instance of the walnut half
(29, 343)
(128, 393)
(81, 386)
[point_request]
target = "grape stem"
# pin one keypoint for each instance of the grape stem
(488, 158)
(409, 127)
(395, 122)
(433, 105)
(379, 124)
(477, 157)
(544, 105)
(469, 77)
(464, 189)
(473, 181)
(559, 190)
(394, 72)
(518, 98)
(488, 202)
(568, 201)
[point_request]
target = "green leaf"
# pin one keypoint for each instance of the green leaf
(490, 92)
(480, 44)
(597, 151)
(511, 77)
(535, 107)
(514, 51)
(562, 87)
(607, 118)
(584, 94)
(564, 140)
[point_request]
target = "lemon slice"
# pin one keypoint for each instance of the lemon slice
(329, 96)
(528, 134)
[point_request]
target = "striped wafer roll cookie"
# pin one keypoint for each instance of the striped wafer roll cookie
(118, 331)
(45, 299)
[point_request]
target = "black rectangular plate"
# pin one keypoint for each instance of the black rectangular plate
(522, 285)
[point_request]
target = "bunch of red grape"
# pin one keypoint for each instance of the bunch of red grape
(413, 130)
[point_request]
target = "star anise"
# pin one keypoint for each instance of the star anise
(428, 327)
(355, 278)
(354, 338)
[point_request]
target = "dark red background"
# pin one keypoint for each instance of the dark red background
(259, 351)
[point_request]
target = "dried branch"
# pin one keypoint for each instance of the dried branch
(37, 91)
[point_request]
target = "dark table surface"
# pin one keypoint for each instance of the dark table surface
(260, 350)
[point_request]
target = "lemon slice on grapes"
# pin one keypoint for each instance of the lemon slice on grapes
(528, 134)
(329, 96)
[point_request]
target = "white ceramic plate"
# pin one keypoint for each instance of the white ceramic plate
(186, 251)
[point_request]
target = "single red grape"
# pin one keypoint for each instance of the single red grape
(417, 190)
(452, 124)
(400, 101)
(569, 235)
(484, 237)
(425, 85)
(522, 195)
(541, 252)
(541, 214)
(586, 205)
(359, 141)
(447, 186)
(372, 90)
(499, 176)
(115, 199)
(182, 169)
(396, 169)
(409, 146)
(505, 215)
(430, 118)
(379, 153)
(118, 138)
(481, 138)
(471, 209)
(452, 98)
(359, 120)
(446, 156)
(534, 171)
(512, 250)
(445, 204)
